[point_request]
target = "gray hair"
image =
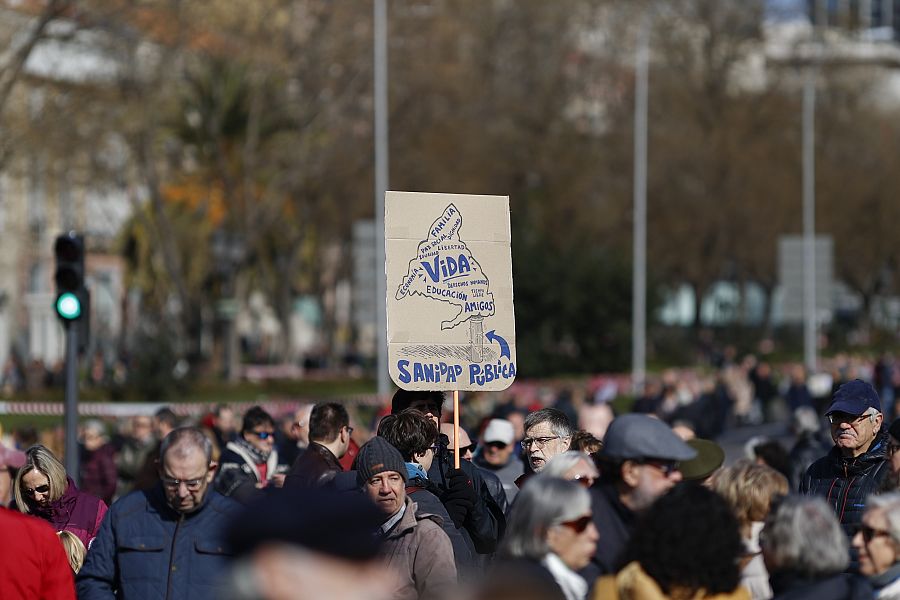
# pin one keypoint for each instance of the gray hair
(559, 464)
(95, 426)
(184, 439)
(39, 458)
(557, 419)
(803, 536)
(541, 504)
(890, 504)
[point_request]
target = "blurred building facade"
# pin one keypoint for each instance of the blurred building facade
(46, 190)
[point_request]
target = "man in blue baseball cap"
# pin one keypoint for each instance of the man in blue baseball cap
(854, 468)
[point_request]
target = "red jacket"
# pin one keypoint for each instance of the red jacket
(33, 563)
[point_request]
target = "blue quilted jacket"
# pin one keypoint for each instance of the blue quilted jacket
(846, 483)
(146, 550)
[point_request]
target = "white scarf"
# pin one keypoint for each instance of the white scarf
(573, 585)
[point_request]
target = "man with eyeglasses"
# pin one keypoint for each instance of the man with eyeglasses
(638, 464)
(856, 465)
(168, 542)
(329, 439)
(548, 432)
(250, 462)
(496, 454)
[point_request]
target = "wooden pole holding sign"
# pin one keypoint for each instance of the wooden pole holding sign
(455, 429)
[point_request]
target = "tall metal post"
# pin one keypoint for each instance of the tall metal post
(809, 219)
(639, 266)
(381, 186)
(71, 400)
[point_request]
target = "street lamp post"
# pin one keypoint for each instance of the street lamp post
(381, 186)
(639, 266)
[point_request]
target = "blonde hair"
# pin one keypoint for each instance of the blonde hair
(39, 458)
(749, 489)
(74, 548)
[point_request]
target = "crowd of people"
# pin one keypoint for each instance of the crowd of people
(253, 507)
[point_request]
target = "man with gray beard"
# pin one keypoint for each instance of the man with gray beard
(639, 463)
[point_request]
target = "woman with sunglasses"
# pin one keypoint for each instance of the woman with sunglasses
(878, 544)
(43, 489)
(550, 535)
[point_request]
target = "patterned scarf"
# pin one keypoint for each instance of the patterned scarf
(259, 457)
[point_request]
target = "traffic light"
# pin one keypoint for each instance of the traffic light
(71, 294)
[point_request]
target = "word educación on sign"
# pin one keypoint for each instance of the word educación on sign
(441, 372)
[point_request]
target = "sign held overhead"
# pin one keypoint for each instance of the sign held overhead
(451, 324)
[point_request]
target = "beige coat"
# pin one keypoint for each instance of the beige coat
(419, 552)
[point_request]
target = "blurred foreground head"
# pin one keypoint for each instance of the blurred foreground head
(672, 546)
(802, 537)
(301, 544)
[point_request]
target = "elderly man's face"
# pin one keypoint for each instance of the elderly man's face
(186, 476)
(387, 490)
(648, 480)
(877, 549)
(541, 444)
(853, 434)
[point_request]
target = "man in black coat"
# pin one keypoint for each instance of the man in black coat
(462, 491)
(856, 464)
(329, 438)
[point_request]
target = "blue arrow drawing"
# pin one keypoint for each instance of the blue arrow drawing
(504, 345)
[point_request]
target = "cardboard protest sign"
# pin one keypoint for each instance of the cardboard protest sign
(450, 320)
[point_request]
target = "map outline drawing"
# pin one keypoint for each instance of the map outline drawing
(455, 279)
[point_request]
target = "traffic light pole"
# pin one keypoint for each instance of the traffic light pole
(71, 419)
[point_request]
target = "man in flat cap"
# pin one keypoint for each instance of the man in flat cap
(856, 464)
(639, 463)
(415, 545)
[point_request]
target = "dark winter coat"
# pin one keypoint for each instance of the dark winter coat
(314, 468)
(238, 476)
(846, 483)
(787, 586)
(525, 576)
(146, 550)
(486, 523)
(422, 492)
(616, 523)
(98, 472)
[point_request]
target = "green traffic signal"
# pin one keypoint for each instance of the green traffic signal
(68, 306)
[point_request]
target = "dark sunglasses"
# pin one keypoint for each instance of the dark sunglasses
(578, 525)
(497, 445)
(263, 435)
(666, 466)
(870, 532)
(41, 489)
(469, 448)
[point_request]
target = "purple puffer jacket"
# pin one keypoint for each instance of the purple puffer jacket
(75, 511)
